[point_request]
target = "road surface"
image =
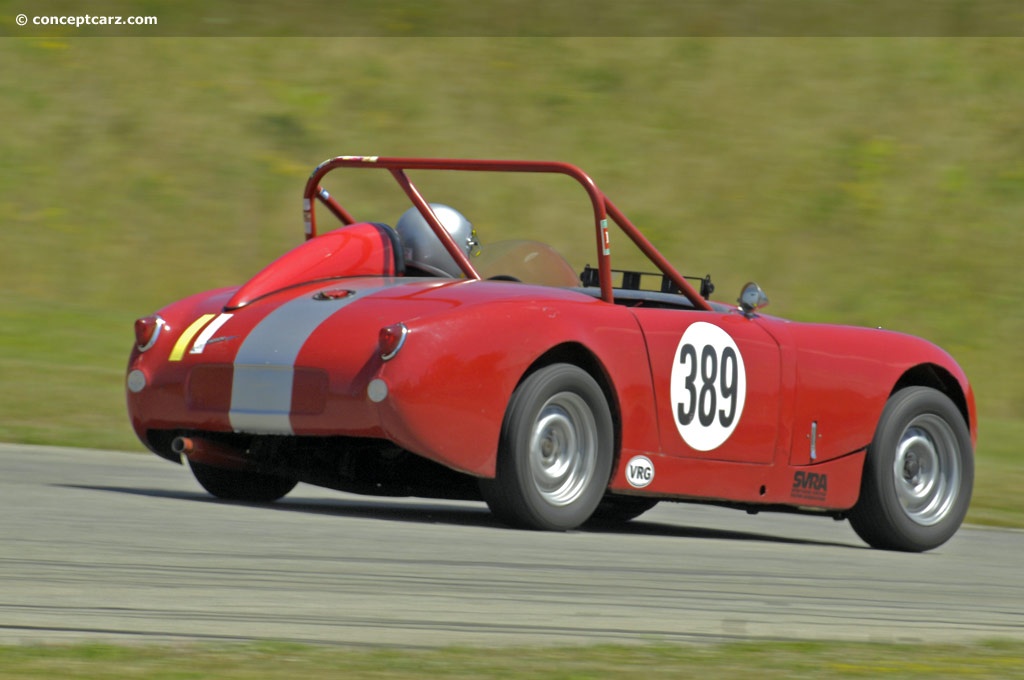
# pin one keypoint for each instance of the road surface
(110, 546)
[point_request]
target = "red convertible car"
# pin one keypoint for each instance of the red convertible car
(411, 360)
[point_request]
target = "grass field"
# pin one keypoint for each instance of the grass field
(789, 661)
(863, 181)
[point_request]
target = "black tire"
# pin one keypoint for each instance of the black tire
(241, 485)
(918, 475)
(619, 509)
(555, 453)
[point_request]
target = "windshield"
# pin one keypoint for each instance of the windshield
(526, 261)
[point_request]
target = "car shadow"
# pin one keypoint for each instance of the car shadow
(466, 513)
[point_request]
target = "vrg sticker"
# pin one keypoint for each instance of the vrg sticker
(639, 471)
(708, 387)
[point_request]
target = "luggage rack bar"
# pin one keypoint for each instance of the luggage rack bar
(632, 280)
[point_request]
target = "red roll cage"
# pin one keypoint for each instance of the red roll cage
(603, 209)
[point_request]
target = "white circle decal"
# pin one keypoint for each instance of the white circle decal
(136, 381)
(709, 386)
(377, 390)
(639, 471)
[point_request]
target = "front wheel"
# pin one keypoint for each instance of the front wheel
(241, 485)
(555, 453)
(918, 475)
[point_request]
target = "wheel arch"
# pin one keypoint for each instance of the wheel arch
(579, 355)
(938, 378)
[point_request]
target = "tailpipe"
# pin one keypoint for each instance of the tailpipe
(182, 445)
(200, 450)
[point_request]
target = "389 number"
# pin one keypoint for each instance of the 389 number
(709, 386)
(718, 377)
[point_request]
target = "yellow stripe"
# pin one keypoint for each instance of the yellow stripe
(186, 337)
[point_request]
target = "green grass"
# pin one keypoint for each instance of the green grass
(863, 181)
(787, 660)
(999, 474)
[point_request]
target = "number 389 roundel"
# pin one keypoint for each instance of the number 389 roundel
(709, 386)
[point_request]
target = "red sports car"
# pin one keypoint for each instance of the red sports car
(411, 360)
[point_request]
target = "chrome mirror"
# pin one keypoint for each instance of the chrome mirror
(752, 299)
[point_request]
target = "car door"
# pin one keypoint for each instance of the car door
(716, 381)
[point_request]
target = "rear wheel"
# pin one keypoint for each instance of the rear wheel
(555, 453)
(241, 485)
(918, 475)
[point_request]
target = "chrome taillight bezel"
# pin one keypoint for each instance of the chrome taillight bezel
(158, 325)
(391, 339)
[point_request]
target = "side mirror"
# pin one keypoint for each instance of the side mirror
(752, 299)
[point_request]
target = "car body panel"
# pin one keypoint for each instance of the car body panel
(845, 401)
(754, 421)
(472, 379)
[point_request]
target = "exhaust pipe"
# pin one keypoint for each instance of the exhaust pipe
(182, 445)
(199, 450)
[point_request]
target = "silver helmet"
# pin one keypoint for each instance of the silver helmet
(423, 250)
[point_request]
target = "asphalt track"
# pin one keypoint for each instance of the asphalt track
(120, 547)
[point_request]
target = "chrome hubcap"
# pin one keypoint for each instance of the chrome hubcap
(563, 448)
(926, 469)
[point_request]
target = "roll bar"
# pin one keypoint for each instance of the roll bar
(603, 209)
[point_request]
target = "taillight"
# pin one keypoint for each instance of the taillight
(390, 340)
(147, 330)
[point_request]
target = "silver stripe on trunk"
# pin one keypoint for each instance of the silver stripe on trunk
(264, 369)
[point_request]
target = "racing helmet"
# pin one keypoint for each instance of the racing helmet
(421, 247)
